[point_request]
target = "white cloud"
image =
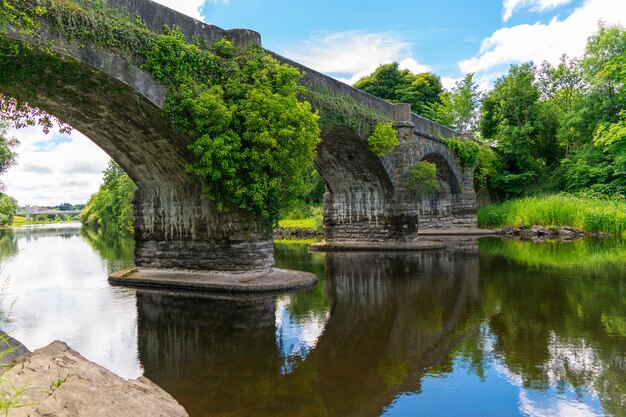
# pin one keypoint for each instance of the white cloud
(406, 63)
(352, 55)
(191, 8)
(510, 6)
(52, 169)
(539, 42)
(349, 52)
(414, 66)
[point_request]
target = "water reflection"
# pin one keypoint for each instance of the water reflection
(376, 336)
(489, 327)
(55, 288)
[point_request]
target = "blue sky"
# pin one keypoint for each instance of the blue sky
(346, 40)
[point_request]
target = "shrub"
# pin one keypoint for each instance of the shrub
(384, 139)
(423, 179)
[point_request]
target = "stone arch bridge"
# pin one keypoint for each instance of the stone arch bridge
(107, 97)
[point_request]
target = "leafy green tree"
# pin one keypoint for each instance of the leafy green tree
(8, 208)
(254, 141)
(522, 128)
(388, 82)
(595, 127)
(458, 108)
(563, 85)
(7, 144)
(383, 139)
(111, 207)
(65, 207)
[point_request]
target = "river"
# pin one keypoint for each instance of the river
(488, 328)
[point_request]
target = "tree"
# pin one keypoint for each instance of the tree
(522, 128)
(8, 208)
(563, 84)
(7, 154)
(111, 207)
(388, 82)
(65, 207)
(458, 108)
(595, 127)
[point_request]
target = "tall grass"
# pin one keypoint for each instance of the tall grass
(591, 214)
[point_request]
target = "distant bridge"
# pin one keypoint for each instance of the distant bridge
(30, 211)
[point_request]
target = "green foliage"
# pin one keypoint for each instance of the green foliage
(588, 213)
(522, 127)
(421, 91)
(487, 171)
(466, 152)
(423, 179)
(111, 206)
(8, 208)
(458, 108)
(383, 139)
(7, 154)
(561, 85)
(338, 110)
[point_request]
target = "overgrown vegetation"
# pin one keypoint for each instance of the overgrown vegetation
(423, 179)
(336, 110)
(466, 152)
(253, 140)
(542, 129)
(384, 139)
(587, 212)
(8, 205)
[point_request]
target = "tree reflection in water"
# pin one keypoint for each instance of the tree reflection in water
(381, 327)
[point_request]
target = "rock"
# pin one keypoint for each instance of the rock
(540, 233)
(58, 381)
(568, 233)
(11, 351)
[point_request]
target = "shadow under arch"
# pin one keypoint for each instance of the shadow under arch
(358, 187)
(448, 181)
(346, 164)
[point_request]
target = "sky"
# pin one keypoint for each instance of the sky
(346, 40)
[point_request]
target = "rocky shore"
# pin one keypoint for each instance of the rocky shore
(539, 233)
(57, 381)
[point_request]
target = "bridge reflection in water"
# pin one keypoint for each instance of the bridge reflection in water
(485, 328)
(388, 319)
(490, 328)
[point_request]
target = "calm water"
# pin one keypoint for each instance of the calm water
(491, 328)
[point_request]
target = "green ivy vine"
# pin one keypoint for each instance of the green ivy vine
(465, 151)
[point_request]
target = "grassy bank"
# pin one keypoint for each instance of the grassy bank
(21, 221)
(310, 229)
(589, 214)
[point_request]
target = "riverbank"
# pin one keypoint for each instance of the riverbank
(590, 215)
(57, 381)
(299, 229)
(21, 221)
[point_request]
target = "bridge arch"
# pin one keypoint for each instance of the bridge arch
(108, 98)
(448, 180)
(358, 187)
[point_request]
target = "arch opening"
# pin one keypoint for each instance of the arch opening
(448, 182)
